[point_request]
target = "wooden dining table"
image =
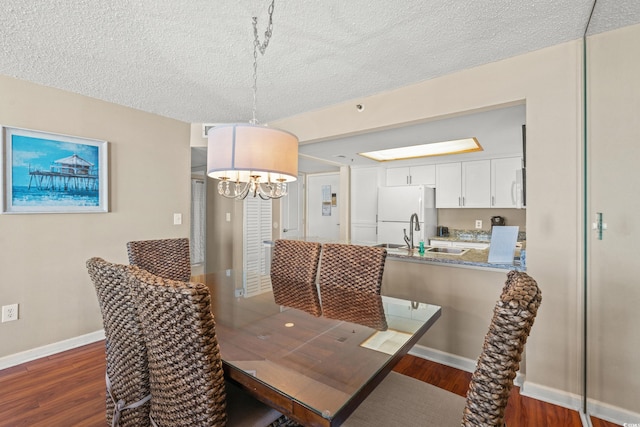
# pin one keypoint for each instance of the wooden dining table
(315, 370)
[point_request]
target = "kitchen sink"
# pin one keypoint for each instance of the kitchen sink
(447, 250)
(390, 246)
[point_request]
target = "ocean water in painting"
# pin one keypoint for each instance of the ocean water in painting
(23, 196)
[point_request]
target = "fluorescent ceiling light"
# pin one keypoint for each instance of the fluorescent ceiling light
(457, 146)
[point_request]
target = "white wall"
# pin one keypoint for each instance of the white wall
(42, 266)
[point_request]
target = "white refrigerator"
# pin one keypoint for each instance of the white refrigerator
(395, 207)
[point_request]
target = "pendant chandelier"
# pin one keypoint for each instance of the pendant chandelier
(249, 158)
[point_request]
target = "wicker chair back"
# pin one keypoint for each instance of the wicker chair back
(186, 376)
(126, 352)
(168, 258)
(350, 283)
(492, 380)
(293, 275)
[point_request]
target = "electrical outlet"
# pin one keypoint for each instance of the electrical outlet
(177, 218)
(9, 312)
(478, 223)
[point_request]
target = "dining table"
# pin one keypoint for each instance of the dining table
(313, 369)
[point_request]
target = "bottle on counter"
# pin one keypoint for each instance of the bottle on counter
(421, 247)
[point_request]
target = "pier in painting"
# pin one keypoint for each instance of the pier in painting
(72, 173)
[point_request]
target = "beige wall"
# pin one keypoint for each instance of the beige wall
(220, 233)
(613, 94)
(42, 266)
(467, 298)
(549, 81)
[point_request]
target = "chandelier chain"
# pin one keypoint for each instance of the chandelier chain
(262, 47)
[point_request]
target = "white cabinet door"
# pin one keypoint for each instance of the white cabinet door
(364, 195)
(503, 182)
(448, 185)
(364, 234)
(423, 175)
(398, 176)
(476, 184)
(413, 175)
(463, 185)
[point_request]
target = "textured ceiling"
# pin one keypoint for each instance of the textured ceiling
(192, 60)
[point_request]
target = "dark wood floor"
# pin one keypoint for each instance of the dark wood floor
(67, 389)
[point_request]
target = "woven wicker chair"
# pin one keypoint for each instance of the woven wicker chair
(127, 374)
(293, 275)
(186, 376)
(168, 258)
(400, 400)
(350, 283)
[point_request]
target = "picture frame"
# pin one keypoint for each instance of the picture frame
(43, 172)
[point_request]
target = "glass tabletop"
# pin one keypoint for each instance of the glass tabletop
(314, 369)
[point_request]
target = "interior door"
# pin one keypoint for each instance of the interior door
(611, 217)
(323, 211)
(292, 209)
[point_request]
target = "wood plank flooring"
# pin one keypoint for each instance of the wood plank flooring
(521, 411)
(67, 389)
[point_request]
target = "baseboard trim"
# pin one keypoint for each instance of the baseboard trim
(552, 395)
(613, 414)
(49, 349)
(597, 409)
(452, 360)
(448, 359)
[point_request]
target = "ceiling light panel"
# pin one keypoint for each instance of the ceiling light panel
(456, 146)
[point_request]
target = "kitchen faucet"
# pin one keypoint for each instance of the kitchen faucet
(409, 240)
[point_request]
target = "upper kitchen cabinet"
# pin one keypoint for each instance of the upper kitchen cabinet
(506, 191)
(412, 175)
(463, 184)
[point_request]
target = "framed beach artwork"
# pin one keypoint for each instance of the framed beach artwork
(50, 173)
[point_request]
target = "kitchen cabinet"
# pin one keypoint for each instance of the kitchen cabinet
(505, 191)
(412, 175)
(364, 234)
(463, 184)
(364, 204)
(448, 185)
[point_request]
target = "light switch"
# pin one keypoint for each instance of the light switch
(228, 216)
(177, 218)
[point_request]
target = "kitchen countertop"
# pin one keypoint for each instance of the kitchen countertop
(473, 258)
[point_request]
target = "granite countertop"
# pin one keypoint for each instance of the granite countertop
(473, 258)
(477, 258)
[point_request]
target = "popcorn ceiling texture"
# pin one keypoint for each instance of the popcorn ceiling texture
(192, 60)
